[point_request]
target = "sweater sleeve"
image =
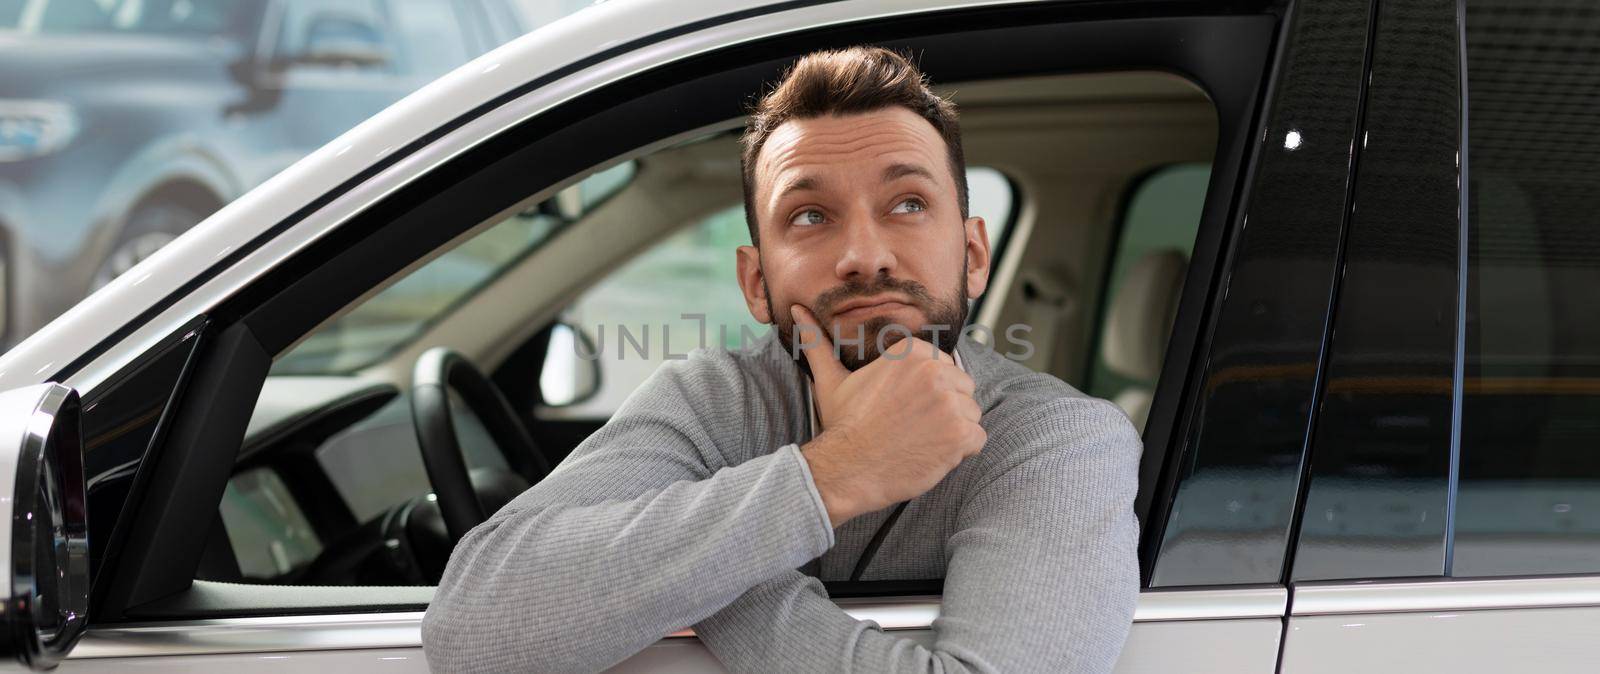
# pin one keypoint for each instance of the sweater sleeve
(1042, 575)
(639, 533)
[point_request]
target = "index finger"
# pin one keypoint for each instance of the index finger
(826, 369)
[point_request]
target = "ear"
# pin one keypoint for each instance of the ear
(750, 283)
(977, 243)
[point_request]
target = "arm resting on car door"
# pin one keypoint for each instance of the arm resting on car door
(640, 533)
(1042, 577)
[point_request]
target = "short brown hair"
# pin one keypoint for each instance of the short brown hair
(841, 82)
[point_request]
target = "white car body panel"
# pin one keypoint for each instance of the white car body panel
(1468, 625)
(1152, 648)
(1248, 646)
(1544, 640)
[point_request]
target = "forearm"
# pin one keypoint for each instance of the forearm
(791, 620)
(1042, 577)
(1006, 608)
(577, 588)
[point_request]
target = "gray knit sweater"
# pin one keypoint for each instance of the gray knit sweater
(694, 507)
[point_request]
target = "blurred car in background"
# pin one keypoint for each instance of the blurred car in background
(125, 122)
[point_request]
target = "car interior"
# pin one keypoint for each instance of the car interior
(1092, 185)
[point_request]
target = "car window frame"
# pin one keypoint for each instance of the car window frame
(1381, 352)
(1270, 361)
(253, 315)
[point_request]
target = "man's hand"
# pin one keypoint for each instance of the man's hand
(892, 429)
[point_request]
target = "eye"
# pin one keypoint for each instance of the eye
(807, 218)
(915, 206)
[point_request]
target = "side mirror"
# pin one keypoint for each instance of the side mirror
(44, 548)
(571, 372)
(334, 39)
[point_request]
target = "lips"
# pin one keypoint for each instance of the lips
(868, 305)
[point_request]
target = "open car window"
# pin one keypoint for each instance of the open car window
(638, 261)
(490, 295)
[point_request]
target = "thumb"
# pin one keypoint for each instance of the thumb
(812, 340)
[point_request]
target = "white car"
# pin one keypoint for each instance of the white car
(1335, 257)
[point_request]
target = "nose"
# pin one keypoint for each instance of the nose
(867, 252)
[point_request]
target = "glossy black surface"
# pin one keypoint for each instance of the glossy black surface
(1377, 500)
(1243, 438)
(1529, 497)
(121, 420)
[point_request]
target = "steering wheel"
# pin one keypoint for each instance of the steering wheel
(467, 498)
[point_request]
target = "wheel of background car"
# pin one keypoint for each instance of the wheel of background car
(150, 227)
(463, 506)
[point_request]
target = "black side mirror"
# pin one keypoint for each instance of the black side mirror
(44, 548)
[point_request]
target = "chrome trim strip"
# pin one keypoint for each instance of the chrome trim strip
(216, 636)
(253, 635)
(1212, 604)
(1444, 594)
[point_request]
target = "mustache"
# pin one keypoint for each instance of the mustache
(828, 301)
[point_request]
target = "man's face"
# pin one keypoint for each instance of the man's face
(860, 223)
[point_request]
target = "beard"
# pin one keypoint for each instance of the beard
(945, 319)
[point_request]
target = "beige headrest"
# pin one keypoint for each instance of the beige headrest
(1141, 314)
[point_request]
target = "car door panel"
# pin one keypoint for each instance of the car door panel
(1547, 640)
(1445, 625)
(1205, 630)
(1233, 631)
(1245, 646)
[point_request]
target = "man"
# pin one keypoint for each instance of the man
(890, 448)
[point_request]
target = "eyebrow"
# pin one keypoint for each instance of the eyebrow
(891, 173)
(897, 171)
(804, 183)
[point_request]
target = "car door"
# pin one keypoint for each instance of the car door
(1226, 429)
(1451, 516)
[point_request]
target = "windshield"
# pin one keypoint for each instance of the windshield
(165, 17)
(400, 313)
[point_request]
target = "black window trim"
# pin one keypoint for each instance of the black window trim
(1405, 190)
